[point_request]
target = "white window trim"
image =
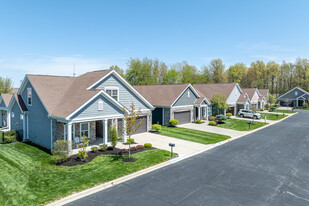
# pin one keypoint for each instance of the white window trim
(100, 105)
(296, 93)
(13, 115)
(80, 128)
(21, 117)
(188, 94)
(29, 89)
(113, 88)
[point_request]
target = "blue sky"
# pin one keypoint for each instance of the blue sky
(49, 37)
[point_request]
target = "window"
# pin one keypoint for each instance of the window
(296, 93)
(188, 94)
(113, 92)
(13, 115)
(29, 96)
(100, 105)
(84, 129)
(21, 116)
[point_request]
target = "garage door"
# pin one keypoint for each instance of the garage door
(183, 117)
(287, 103)
(143, 126)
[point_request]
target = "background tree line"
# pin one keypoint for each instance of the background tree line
(278, 78)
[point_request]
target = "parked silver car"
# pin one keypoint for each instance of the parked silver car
(249, 114)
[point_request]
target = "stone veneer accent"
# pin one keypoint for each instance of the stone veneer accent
(58, 130)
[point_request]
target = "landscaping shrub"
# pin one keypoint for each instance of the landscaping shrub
(276, 105)
(212, 118)
(173, 122)
(120, 139)
(13, 133)
(156, 127)
(94, 149)
(1, 137)
(305, 105)
(113, 135)
(212, 123)
(8, 139)
(131, 140)
(140, 147)
(221, 118)
(82, 154)
(267, 107)
(103, 147)
(198, 121)
(60, 151)
(147, 145)
(229, 115)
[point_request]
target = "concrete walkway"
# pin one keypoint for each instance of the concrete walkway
(218, 130)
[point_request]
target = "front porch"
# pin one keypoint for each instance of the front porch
(96, 131)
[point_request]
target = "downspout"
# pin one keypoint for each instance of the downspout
(162, 116)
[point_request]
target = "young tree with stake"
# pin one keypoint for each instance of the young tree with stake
(130, 126)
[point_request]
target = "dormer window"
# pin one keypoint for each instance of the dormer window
(188, 94)
(296, 93)
(29, 96)
(113, 92)
(100, 105)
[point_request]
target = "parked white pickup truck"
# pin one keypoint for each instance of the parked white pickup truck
(249, 114)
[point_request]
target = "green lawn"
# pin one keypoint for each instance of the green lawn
(28, 177)
(301, 109)
(240, 125)
(284, 111)
(272, 116)
(193, 135)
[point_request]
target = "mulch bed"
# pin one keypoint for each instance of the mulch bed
(74, 159)
(155, 132)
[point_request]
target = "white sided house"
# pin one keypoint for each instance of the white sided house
(66, 108)
(254, 95)
(232, 91)
(4, 105)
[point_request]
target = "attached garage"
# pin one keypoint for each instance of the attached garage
(284, 103)
(143, 126)
(183, 117)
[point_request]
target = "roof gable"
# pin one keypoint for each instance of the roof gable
(208, 90)
(293, 93)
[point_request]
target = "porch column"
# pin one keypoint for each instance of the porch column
(224, 112)
(69, 134)
(105, 134)
(235, 110)
(296, 102)
(8, 121)
(199, 112)
(124, 134)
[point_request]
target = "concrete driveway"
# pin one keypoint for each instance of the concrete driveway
(268, 167)
(182, 147)
(218, 130)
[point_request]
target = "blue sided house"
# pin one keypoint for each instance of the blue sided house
(50, 108)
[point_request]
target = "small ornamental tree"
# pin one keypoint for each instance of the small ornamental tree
(113, 135)
(219, 101)
(271, 99)
(82, 153)
(130, 117)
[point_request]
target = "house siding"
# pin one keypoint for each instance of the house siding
(39, 123)
(185, 100)
(291, 94)
(16, 122)
(255, 98)
(2, 104)
(91, 110)
(126, 96)
(232, 99)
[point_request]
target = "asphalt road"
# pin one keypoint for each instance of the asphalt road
(268, 167)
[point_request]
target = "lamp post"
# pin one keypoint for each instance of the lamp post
(171, 145)
(249, 123)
